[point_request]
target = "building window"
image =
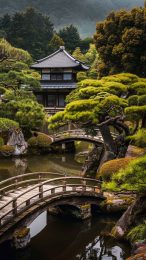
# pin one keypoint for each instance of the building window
(45, 76)
(61, 101)
(56, 76)
(67, 76)
(40, 98)
(52, 100)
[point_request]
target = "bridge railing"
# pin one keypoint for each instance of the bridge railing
(80, 133)
(47, 190)
(26, 179)
(75, 133)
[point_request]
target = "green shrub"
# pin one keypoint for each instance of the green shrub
(6, 124)
(131, 178)
(93, 74)
(81, 76)
(40, 141)
(139, 139)
(113, 166)
(137, 233)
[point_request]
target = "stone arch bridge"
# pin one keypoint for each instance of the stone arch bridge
(78, 134)
(25, 195)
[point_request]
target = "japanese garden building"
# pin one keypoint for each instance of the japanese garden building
(58, 78)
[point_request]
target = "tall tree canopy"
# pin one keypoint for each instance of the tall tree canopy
(121, 42)
(71, 37)
(29, 30)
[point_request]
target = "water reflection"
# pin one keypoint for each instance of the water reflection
(38, 224)
(63, 239)
(68, 164)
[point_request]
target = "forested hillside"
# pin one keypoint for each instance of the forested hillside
(84, 14)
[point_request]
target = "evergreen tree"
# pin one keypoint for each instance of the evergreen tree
(55, 43)
(121, 42)
(77, 54)
(71, 37)
(29, 30)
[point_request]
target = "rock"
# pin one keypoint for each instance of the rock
(118, 232)
(117, 202)
(21, 238)
(140, 250)
(138, 257)
(135, 151)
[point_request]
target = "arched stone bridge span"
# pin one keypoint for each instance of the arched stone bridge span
(23, 195)
(78, 134)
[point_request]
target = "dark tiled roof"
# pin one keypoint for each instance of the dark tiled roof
(59, 59)
(58, 86)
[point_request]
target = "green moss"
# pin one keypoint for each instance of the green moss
(139, 139)
(113, 166)
(21, 233)
(137, 233)
(7, 150)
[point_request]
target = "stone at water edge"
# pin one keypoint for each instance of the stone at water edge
(21, 238)
(138, 257)
(118, 232)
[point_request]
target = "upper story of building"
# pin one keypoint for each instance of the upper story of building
(59, 70)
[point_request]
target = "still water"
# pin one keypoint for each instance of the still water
(62, 239)
(65, 164)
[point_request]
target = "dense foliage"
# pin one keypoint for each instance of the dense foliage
(121, 42)
(6, 124)
(132, 178)
(70, 36)
(29, 30)
(17, 101)
(34, 32)
(92, 100)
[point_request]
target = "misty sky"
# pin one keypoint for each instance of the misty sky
(82, 13)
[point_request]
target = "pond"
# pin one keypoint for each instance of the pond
(57, 238)
(69, 164)
(66, 239)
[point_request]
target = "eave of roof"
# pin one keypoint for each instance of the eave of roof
(59, 59)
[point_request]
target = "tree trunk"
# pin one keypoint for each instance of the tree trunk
(108, 139)
(143, 122)
(128, 219)
(110, 149)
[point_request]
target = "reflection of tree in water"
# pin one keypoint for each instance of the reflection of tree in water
(21, 166)
(12, 167)
(98, 250)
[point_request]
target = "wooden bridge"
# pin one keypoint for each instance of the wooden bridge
(78, 134)
(25, 194)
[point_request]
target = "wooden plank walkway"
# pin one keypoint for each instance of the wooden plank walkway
(15, 201)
